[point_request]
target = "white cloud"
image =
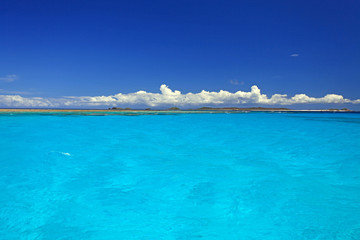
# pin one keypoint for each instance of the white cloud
(9, 78)
(170, 97)
(294, 55)
(3, 91)
(236, 82)
(19, 101)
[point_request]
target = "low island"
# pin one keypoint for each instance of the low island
(172, 110)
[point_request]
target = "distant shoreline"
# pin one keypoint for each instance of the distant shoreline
(200, 110)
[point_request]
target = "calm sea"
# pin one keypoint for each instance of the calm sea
(185, 176)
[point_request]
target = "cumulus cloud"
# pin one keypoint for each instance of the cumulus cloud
(9, 78)
(19, 101)
(170, 97)
(294, 55)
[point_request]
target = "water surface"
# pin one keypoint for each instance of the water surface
(182, 176)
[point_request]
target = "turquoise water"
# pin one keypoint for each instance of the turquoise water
(186, 176)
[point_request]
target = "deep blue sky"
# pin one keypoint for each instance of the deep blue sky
(74, 47)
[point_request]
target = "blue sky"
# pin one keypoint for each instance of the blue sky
(51, 49)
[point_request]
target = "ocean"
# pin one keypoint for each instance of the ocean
(234, 176)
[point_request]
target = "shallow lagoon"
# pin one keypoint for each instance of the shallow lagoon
(181, 176)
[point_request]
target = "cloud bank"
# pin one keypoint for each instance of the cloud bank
(168, 97)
